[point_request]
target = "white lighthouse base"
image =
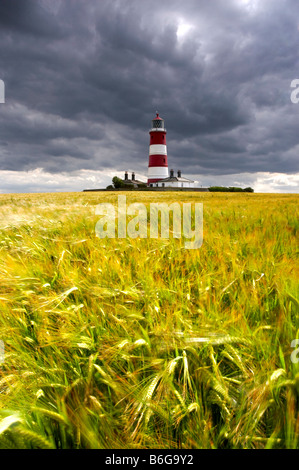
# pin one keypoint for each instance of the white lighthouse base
(157, 173)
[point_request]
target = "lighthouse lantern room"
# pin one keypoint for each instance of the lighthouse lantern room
(157, 166)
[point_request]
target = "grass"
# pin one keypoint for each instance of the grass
(140, 343)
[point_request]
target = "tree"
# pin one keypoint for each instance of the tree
(117, 182)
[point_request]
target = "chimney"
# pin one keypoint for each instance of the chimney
(126, 176)
(179, 173)
(171, 173)
(133, 176)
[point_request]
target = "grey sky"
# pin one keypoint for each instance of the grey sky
(84, 78)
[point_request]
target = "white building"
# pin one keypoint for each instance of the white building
(173, 182)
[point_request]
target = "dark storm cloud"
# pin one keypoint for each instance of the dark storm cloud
(25, 18)
(83, 80)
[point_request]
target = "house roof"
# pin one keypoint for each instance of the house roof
(175, 178)
(133, 181)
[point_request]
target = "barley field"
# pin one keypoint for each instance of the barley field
(141, 343)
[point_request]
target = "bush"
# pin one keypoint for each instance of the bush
(231, 189)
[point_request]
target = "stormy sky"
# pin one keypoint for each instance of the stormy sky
(83, 79)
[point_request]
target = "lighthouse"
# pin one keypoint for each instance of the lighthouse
(157, 165)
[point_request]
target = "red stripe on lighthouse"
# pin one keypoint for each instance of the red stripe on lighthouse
(158, 160)
(157, 138)
(153, 180)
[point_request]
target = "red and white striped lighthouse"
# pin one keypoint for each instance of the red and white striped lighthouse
(157, 165)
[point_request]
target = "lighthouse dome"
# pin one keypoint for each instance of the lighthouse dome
(157, 122)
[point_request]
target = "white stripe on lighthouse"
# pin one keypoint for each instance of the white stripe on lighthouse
(157, 172)
(157, 149)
